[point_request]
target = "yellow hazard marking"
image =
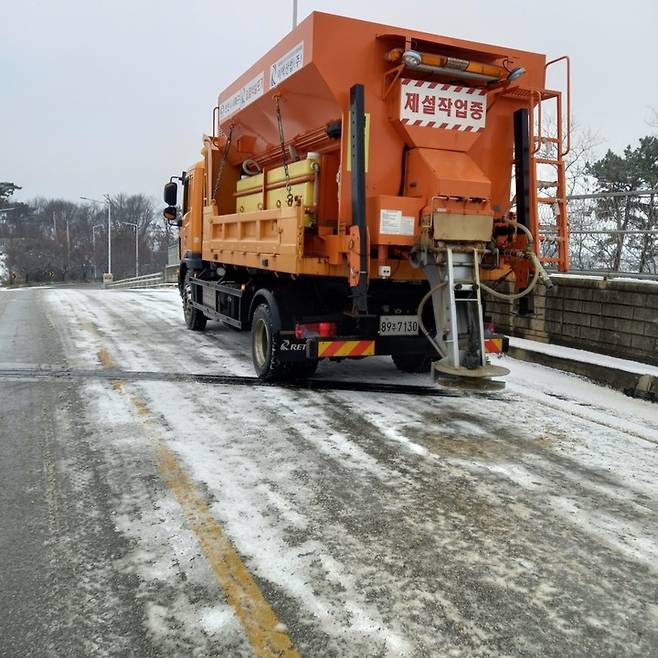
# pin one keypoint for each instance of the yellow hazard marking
(493, 345)
(266, 634)
(343, 348)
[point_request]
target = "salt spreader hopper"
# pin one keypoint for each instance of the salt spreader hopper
(356, 172)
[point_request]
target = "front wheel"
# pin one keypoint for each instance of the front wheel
(265, 347)
(194, 318)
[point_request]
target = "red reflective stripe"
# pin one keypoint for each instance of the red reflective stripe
(360, 347)
(331, 349)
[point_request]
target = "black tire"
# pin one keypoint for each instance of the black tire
(304, 369)
(265, 347)
(412, 362)
(194, 318)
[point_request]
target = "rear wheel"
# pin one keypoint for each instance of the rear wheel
(265, 347)
(412, 362)
(194, 318)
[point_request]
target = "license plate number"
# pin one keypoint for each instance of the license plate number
(398, 325)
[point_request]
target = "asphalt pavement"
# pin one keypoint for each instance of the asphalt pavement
(147, 509)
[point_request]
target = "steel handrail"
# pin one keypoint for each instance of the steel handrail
(567, 61)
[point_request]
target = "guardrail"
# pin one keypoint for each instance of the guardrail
(145, 281)
(610, 233)
(608, 274)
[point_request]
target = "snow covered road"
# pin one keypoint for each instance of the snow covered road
(178, 518)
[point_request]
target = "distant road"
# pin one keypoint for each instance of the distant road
(150, 514)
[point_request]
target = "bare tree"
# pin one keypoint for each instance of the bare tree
(50, 239)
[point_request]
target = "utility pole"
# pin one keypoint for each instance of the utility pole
(136, 245)
(68, 246)
(294, 14)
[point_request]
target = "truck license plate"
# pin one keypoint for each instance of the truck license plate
(398, 325)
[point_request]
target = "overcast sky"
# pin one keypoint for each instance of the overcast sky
(113, 95)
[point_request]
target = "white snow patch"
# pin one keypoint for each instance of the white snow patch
(637, 542)
(215, 620)
(585, 357)
(259, 510)
(603, 277)
(12, 289)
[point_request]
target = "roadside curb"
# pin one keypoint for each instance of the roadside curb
(631, 383)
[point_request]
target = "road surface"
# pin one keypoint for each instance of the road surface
(145, 512)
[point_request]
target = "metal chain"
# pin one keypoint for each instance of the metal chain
(284, 155)
(218, 178)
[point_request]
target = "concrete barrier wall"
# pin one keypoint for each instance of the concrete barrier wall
(615, 317)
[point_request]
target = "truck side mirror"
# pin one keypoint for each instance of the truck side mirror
(170, 193)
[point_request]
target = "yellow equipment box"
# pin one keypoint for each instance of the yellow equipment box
(249, 191)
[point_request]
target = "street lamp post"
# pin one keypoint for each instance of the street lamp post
(136, 246)
(294, 14)
(93, 245)
(109, 228)
(109, 234)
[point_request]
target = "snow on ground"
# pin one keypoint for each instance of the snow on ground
(604, 277)
(521, 523)
(584, 356)
(16, 289)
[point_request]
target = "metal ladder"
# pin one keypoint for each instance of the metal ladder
(551, 232)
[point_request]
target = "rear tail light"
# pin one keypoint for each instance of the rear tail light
(327, 329)
(315, 330)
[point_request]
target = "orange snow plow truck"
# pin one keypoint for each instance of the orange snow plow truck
(362, 188)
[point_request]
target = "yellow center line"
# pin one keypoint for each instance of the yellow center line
(105, 358)
(266, 634)
(108, 362)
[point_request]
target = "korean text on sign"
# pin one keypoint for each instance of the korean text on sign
(436, 105)
(283, 68)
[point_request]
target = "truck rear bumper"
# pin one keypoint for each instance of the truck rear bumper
(354, 347)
